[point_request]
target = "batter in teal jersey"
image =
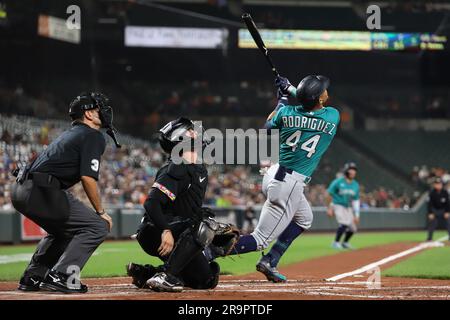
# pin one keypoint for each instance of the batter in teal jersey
(304, 136)
(305, 132)
(344, 205)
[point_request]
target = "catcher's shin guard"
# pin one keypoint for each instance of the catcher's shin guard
(185, 249)
(214, 281)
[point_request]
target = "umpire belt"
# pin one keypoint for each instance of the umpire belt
(44, 180)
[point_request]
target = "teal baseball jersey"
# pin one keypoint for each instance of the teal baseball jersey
(304, 136)
(343, 192)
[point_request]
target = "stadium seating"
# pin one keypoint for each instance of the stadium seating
(370, 174)
(406, 149)
(127, 173)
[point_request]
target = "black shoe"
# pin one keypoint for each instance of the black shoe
(165, 282)
(29, 283)
(58, 282)
(141, 274)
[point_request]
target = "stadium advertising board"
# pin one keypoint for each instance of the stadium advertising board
(171, 37)
(56, 28)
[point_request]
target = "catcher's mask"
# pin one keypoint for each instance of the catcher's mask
(92, 100)
(175, 131)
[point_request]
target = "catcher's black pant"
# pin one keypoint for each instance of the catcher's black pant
(197, 273)
(69, 243)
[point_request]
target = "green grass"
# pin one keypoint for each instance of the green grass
(430, 264)
(112, 256)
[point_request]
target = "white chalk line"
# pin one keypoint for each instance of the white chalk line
(240, 283)
(26, 257)
(315, 290)
(12, 258)
(309, 287)
(378, 263)
(306, 292)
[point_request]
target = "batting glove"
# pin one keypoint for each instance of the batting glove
(283, 85)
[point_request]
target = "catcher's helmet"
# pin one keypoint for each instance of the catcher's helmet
(172, 133)
(310, 89)
(348, 166)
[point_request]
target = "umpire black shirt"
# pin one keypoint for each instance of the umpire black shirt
(75, 153)
(438, 201)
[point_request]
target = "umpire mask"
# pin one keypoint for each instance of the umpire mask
(92, 100)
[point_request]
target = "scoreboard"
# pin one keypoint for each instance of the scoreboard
(407, 41)
(343, 40)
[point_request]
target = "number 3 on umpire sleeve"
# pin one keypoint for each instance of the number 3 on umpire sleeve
(94, 165)
(308, 146)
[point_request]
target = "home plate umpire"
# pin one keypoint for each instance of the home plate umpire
(74, 230)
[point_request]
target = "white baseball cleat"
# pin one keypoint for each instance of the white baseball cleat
(346, 245)
(336, 245)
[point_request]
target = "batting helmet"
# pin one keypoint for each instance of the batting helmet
(310, 89)
(348, 166)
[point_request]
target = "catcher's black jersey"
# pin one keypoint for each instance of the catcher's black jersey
(185, 185)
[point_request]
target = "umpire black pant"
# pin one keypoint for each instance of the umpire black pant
(437, 216)
(198, 272)
(69, 243)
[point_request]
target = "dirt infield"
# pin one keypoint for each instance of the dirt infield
(307, 280)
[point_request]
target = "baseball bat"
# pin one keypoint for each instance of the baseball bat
(258, 40)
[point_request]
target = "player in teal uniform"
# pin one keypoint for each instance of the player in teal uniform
(304, 135)
(344, 205)
(306, 130)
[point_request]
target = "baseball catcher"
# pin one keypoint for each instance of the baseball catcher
(176, 228)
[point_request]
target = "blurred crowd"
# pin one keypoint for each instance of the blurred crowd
(408, 103)
(377, 198)
(428, 175)
(128, 173)
(150, 103)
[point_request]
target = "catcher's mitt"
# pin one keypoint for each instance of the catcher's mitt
(225, 239)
